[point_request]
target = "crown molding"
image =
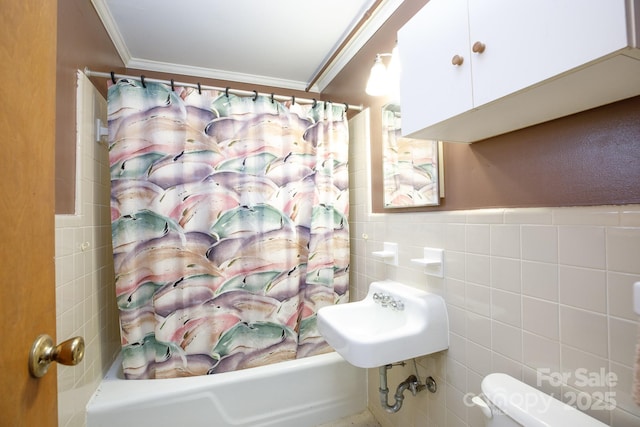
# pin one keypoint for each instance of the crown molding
(378, 18)
(164, 67)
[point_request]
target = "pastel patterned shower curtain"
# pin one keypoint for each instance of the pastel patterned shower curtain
(229, 226)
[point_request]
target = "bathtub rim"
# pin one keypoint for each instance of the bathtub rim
(116, 394)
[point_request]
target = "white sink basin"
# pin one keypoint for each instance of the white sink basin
(394, 322)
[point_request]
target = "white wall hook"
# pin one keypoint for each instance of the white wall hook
(389, 254)
(433, 262)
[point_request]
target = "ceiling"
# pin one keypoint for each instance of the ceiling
(281, 43)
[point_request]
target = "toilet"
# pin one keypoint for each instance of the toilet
(511, 403)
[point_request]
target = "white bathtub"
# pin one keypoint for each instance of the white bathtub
(298, 393)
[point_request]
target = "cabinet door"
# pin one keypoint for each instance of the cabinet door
(432, 88)
(528, 42)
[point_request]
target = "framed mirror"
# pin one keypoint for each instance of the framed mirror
(411, 167)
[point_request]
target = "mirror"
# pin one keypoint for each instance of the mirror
(411, 167)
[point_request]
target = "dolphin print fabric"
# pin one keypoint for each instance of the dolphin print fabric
(229, 227)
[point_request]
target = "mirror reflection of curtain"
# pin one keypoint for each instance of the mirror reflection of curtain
(229, 227)
(410, 166)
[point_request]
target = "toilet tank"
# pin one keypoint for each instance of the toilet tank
(514, 403)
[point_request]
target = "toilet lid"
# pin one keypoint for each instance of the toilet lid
(531, 407)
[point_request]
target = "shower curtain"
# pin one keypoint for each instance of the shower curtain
(229, 226)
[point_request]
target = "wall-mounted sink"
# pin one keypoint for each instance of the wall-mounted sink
(393, 322)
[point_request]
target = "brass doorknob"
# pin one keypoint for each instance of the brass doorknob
(457, 60)
(478, 47)
(43, 352)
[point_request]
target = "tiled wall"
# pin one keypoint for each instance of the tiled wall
(85, 303)
(526, 290)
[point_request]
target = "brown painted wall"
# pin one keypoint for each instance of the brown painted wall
(591, 158)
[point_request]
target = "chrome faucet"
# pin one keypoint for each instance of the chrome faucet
(386, 300)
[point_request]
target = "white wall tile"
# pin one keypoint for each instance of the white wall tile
(456, 409)
(457, 320)
(583, 288)
(479, 358)
(584, 330)
(576, 363)
(457, 348)
(623, 249)
(455, 292)
(582, 246)
(541, 317)
(590, 215)
(478, 299)
(506, 274)
(540, 280)
(454, 236)
(528, 216)
(630, 216)
(540, 352)
(623, 337)
(478, 238)
(506, 340)
(456, 374)
(622, 392)
(620, 295)
(506, 365)
(478, 269)
(479, 329)
(540, 243)
(505, 240)
(505, 307)
(485, 216)
(455, 265)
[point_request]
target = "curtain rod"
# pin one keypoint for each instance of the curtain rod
(91, 73)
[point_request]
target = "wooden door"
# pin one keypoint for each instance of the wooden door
(27, 278)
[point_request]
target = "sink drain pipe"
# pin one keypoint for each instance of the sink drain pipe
(412, 383)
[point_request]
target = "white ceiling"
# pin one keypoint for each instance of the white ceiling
(282, 43)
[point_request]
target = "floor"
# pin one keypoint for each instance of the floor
(363, 419)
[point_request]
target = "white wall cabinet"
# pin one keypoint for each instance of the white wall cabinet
(472, 69)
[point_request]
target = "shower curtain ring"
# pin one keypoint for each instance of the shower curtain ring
(346, 107)
(255, 95)
(113, 77)
(172, 86)
(293, 100)
(142, 81)
(272, 97)
(199, 89)
(226, 92)
(314, 103)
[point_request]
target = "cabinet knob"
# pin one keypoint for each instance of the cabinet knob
(478, 47)
(457, 60)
